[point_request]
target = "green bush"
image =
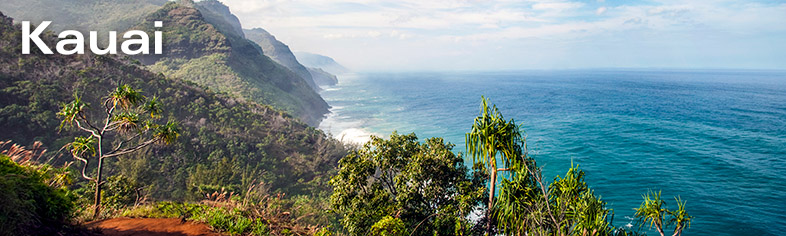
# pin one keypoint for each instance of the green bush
(28, 205)
(388, 226)
(259, 228)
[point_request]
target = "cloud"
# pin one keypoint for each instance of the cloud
(398, 28)
(600, 11)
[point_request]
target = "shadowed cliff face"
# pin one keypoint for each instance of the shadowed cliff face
(217, 13)
(322, 77)
(200, 45)
(280, 53)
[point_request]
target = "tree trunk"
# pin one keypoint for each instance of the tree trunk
(660, 229)
(492, 187)
(97, 202)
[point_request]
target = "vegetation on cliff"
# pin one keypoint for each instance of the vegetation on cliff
(202, 47)
(224, 141)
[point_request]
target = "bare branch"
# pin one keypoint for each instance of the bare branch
(128, 150)
(120, 145)
(93, 132)
(84, 167)
(82, 115)
(539, 179)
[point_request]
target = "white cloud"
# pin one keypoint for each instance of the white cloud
(416, 28)
(600, 11)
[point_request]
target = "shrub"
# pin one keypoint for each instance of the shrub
(28, 205)
(388, 226)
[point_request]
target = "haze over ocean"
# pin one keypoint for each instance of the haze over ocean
(717, 138)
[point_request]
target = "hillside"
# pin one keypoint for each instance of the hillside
(280, 53)
(82, 15)
(202, 47)
(224, 142)
(204, 43)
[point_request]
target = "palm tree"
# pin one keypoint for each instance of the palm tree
(679, 217)
(121, 109)
(493, 136)
(652, 210)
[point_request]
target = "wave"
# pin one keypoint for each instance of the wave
(344, 128)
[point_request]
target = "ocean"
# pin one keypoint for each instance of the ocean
(716, 138)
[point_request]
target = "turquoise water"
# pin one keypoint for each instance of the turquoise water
(715, 138)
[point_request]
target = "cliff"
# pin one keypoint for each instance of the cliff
(280, 53)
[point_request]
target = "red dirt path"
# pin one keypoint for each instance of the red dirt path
(149, 226)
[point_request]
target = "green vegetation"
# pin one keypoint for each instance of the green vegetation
(82, 15)
(388, 226)
(377, 194)
(224, 142)
(255, 213)
(202, 46)
(279, 52)
(491, 134)
(424, 185)
(34, 199)
(124, 120)
(653, 210)
(249, 169)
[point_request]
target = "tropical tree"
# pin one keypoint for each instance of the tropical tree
(423, 185)
(492, 136)
(127, 124)
(527, 205)
(653, 210)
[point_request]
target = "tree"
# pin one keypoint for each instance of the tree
(527, 205)
(424, 184)
(128, 119)
(653, 210)
(493, 136)
(567, 207)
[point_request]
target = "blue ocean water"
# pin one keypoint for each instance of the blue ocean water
(715, 138)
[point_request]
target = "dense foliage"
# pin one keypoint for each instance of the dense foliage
(201, 46)
(653, 212)
(32, 200)
(224, 142)
(82, 15)
(425, 185)
(128, 119)
(261, 170)
(490, 138)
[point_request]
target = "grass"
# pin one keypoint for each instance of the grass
(229, 216)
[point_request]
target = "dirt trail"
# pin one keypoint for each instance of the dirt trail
(149, 226)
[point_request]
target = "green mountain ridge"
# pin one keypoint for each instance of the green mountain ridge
(82, 15)
(280, 53)
(224, 141)
(201, 46)
(203, 43)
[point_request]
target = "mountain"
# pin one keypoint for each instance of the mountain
(204, 45)
(217, 13)
(280, 53)
(82, 15)
(224, 141)
(322, 62)
(322, 77)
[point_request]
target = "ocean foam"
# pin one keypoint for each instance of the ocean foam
(354, 136)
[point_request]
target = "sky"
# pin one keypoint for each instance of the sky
(400, 35)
